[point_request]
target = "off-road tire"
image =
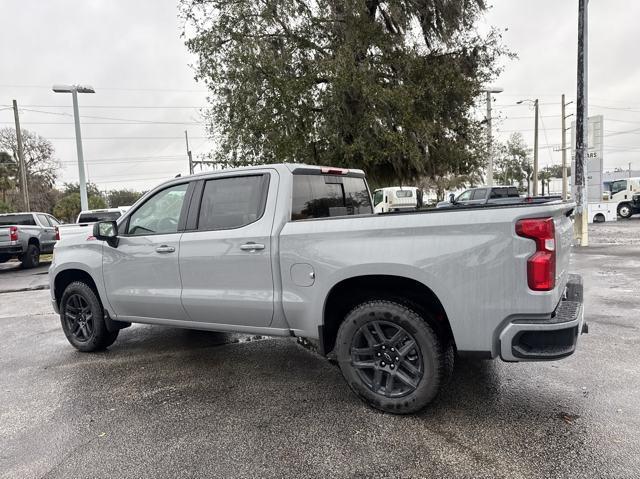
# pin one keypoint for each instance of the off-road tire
(436, 361)
(78, 296)
(31, 257)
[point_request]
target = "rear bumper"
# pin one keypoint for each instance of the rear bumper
(11, 250)
(551, 338)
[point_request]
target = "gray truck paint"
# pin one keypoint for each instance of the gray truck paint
(43, 234)
(471, 259)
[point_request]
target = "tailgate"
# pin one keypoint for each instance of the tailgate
(4, 235)
(564, 239)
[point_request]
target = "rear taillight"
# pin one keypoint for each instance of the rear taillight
(57, 234)
(13, 233)
(541, 266)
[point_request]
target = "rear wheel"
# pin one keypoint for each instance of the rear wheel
(390, 357)
(599, 218)
(31, 257)
(624, 211)
(82, 319)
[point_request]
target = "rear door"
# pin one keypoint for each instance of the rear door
(225, 252)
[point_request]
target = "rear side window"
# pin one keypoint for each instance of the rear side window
(323, 196)
(498, 193)
(99, 216)
(24, 220)
(404, 194)
(513, 193)
(479, 194)
(233, 202)
(44, 220)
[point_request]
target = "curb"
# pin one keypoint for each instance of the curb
(28, 288)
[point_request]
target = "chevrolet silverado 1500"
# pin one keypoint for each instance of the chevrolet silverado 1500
(295, 250)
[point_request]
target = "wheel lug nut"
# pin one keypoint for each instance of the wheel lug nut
(392, 349)
(378, 354)
(391, 366)
(384, 347)
(397, 358)
(382, 363)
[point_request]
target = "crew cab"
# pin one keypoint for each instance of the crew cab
(295, 250)
(25, 236)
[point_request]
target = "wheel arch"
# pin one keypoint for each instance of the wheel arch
(347, 293)
(65, 277)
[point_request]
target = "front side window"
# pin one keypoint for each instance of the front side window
(323, 196)
(53, 221)
(618, 186)
(232, 202)
(466, 196)
(160, 213)
(377, 197)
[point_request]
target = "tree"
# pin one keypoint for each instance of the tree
(389, 87)
(512, 163)
(117, 198)
(68, 205)
(42, 169)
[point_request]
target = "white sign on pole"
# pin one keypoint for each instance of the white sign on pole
(594, 163)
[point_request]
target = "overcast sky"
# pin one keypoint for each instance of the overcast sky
(132, 53)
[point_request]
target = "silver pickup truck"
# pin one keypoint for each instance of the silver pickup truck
(25, 236)
(295, 250)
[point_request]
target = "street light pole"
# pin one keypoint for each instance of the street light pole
(535, 144)
(489, 91)
(84, 200)
(74, 90)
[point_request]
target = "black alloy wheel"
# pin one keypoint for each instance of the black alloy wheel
(387, 359)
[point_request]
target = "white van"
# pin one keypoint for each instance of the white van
(395, 198)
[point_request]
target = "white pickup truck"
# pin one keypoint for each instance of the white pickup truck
(295, 250)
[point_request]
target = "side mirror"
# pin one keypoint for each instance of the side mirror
(452, 198)
(106, 231)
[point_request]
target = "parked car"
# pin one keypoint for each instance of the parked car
(481, 196)
(295, 250)
(87, 218)
(25, 236)
(396, 198)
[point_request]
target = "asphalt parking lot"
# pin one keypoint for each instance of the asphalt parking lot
(173, 403)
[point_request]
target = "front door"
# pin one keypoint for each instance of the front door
(141, 272)
(225, 259)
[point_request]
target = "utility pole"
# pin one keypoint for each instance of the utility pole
(629, 169)
(582, 111)
(489, 91)
(564, 116)
(535, 152)
(23, 169)
(186, 139)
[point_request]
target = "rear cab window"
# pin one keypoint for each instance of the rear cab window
(18, 220)
(99, 216)
(329, 195)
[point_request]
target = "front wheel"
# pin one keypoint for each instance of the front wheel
(82, 319)
(624, 211)
(390, 357)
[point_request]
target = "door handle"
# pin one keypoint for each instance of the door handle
(251, 246)
(165, 249)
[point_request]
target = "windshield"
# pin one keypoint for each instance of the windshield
(102, 216)
(25, 220)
